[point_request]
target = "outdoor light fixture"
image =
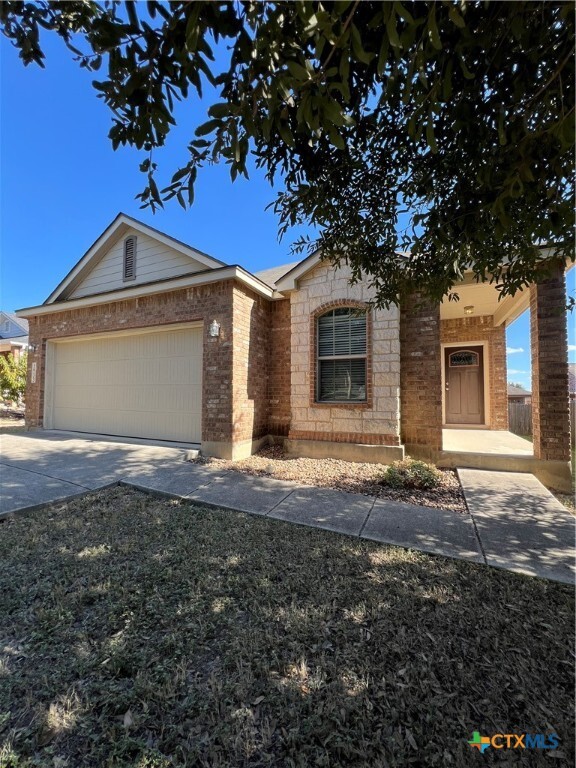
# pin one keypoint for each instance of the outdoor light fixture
(469, 310)
(214, 329)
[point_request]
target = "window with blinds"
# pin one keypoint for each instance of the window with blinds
(341, 346)
(130, 258)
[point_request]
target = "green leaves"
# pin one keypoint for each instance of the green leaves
(298, 71)
(454, 118)
(207, 127)
(13, 376)
(433, 28)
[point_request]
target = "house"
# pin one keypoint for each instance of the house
(517, 394)
(149, 337)
(572, 380)
(13, 334)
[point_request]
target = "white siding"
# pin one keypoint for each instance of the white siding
(145, 384)
(154, 261)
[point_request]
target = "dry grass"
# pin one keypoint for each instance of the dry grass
(147, 633)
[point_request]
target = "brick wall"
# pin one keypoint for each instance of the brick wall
(279, 369)
(465, 330)
(207, 303)
(251, 352)
(420, 376)
(375, 422)
(550, 398)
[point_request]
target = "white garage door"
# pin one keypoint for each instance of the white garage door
(145, 384)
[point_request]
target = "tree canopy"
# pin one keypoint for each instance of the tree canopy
(455, 117)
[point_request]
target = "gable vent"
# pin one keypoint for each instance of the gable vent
(130, 258)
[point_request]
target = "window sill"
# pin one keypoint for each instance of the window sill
(341, 404)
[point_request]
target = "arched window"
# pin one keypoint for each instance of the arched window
(464, 358)
(130, 258)
(341, 363)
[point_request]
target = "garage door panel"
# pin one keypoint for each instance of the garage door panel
(158, 371)
(166, 399)
(140, 385)
(163, 426)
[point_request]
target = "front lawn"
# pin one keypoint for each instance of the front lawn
(149, 633)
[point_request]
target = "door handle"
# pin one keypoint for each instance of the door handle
(447, 386)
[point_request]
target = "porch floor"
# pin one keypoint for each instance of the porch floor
(485, 441)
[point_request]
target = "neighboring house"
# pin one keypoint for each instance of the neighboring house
(13, 334)
(519, 395)
(572, 380)
(151, 338)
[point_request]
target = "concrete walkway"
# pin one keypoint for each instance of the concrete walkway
(522, 527)
(491, 441)
(514, 522)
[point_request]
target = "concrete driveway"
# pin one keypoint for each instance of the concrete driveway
(513, 522)
(37, 468)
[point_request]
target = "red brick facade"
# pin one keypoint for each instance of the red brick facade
(250, 375)
(465, 330)
(550, 398)
(279, 368)
(207, 303)
(243, 398)
(250, 354)
(345, 437)
(420, 375)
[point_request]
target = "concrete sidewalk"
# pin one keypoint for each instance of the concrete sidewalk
(521, 526)
(514, 522)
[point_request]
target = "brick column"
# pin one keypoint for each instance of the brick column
(550, 398)
(420, 377)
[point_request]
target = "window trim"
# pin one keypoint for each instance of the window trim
(131, 278)
(317, 359)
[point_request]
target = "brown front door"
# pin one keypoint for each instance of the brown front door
(464, 367)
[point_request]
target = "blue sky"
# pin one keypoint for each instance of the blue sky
(62, 184)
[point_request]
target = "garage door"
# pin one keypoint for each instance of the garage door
(145, 384)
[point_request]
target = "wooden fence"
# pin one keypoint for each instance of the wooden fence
(520, 419)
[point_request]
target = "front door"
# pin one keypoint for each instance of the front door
(464, 377)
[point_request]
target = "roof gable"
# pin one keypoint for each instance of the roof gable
(289, 281)
(12, 326)
(158, 257)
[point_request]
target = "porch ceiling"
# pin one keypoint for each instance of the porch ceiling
(484, 300)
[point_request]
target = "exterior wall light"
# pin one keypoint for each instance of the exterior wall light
(214, 329)
(469, 310)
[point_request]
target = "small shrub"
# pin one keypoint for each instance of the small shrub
(13, 377)
(411, 473)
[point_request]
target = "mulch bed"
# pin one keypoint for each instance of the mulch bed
(349, 476)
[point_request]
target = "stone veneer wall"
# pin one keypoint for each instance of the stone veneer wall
(468, 329)
(550, 398)
(375, 422)
(206, 303)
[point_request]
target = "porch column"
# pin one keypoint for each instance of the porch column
(420, 377)
(549, 342)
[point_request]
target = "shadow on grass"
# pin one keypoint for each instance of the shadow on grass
(142, 632)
